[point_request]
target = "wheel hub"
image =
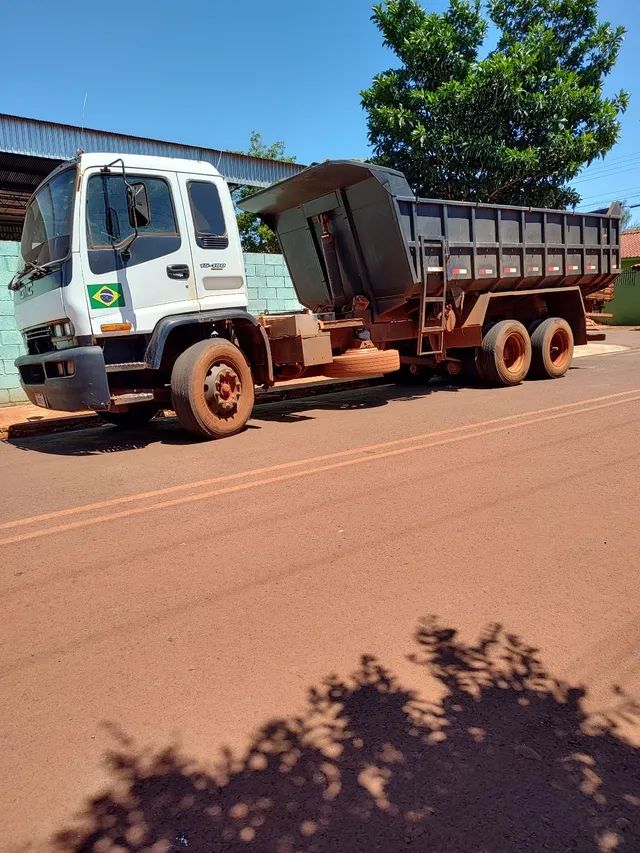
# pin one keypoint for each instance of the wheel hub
(559, 347)
(222, 389)
(513, 353)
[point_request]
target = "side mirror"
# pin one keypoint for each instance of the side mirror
(138, 205)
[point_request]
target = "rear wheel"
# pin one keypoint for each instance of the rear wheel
(212, 389)
(552, 348)
(135, 416)
(505, 354)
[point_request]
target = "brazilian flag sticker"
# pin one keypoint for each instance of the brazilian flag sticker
(105, 295)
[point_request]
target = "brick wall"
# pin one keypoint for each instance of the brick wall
(10, 339)
(268, 281)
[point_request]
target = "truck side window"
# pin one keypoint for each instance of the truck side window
(108, 222)
(208, 217)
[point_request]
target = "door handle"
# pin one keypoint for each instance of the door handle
(180, 271)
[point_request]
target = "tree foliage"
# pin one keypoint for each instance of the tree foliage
(511, 125)
(255, 236)
(628, 220)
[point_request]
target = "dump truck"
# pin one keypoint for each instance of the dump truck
(132, 295)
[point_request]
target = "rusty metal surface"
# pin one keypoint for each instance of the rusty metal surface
(306, 351)
(289, 325)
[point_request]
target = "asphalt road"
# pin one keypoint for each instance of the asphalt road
(395, 619)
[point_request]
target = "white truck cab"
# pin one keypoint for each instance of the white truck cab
(78, 218)
(119, 253)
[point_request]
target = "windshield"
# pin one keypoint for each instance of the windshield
(46, 235)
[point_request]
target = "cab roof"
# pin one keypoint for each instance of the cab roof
(148, 161)
(152, 162)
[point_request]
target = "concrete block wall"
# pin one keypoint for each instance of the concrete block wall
(10, 339)
(268, 282)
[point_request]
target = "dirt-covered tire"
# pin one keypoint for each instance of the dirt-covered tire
(363, 362)
(552, 348)
(505, 354)
(136, 416)
(212, 389)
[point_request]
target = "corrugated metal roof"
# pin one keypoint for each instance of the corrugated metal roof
(36, 138)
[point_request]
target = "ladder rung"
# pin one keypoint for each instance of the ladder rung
(434, 299)
(430, 330)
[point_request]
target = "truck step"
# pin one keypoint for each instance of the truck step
(132, 397)
(126, 365)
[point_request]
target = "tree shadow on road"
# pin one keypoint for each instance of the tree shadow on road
(507, 762)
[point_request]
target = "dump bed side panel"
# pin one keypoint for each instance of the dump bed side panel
(488, 247)
(353, 229)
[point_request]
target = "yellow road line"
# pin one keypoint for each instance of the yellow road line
(372, 457)
(309, 460)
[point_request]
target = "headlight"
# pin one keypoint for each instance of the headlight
(63, 335)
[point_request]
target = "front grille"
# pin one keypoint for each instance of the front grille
(39, 340)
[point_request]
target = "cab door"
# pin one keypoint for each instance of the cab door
(215, 243)
(155, 277)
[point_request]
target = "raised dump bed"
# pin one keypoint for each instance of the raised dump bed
(350, 229)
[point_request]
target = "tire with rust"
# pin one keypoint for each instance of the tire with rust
(505, 354)
(368, 361)
(212, 389)
(552, 348)
(136, 416)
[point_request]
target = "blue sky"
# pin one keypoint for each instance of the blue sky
(208, 72)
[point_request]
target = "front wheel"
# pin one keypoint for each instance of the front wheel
(212, 389)
(505, 354)
(135, 416)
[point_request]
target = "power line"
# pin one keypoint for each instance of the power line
(617, 194)
(585, 208)
(606, 162)
(594, 176)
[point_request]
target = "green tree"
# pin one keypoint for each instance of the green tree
(628, 220)
(254, 234)
(513, 125)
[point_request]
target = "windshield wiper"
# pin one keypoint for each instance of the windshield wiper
(36, 270)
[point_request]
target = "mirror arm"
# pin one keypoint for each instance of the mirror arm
(123, 247)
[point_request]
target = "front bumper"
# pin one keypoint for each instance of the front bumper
(81, 382)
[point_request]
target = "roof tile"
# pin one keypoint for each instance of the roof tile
(630, 243)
